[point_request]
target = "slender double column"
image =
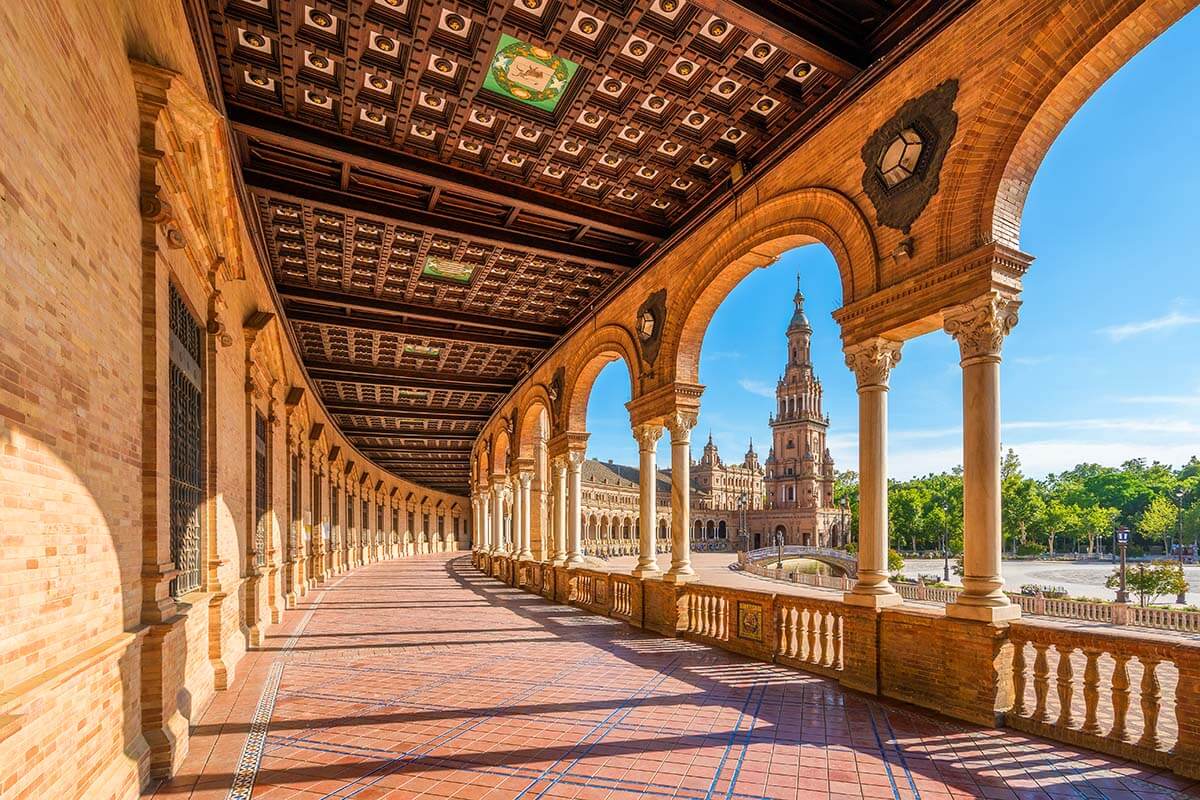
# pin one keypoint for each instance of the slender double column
(647, 436)
(558, 477)
(680, 425)
(872, 363)
(575, 459)
(980, 328)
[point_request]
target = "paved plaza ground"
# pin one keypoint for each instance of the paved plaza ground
(422, 678)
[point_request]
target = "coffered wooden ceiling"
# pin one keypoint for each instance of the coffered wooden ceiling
(444, 188)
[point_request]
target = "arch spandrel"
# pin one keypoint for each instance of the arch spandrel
(988, 174)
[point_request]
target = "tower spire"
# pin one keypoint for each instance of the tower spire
(799, 320)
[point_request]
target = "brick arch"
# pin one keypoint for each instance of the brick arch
(1071, 54)
(607, 344)
(535, 401)
(794, 219)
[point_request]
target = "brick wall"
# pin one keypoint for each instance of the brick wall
(89, 696)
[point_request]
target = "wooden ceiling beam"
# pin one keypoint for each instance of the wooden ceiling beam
(423, 329)
(795, 33)
(405, 378)
(390, 161)
(388, 433)
(405, 412)
(379, 305)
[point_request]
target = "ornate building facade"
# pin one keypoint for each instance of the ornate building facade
(792, 493)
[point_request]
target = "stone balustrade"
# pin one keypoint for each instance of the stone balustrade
(1135, 694)
(1130, 695)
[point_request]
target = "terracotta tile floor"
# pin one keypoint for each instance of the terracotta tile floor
(422, 678)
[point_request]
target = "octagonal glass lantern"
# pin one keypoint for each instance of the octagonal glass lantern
(646, 325)
(898, 162)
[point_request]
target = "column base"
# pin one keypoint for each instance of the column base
(672, 576)
(1004, 613)
(646, 572)
(885, 600)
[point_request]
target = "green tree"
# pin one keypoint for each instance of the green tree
(1151, 581)
(1022, 507)
(1158, 520)
(1097, 521)
(895, 561)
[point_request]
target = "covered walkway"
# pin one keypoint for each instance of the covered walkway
(424, 678)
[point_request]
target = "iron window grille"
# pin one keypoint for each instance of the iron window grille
(395, 525)
(260, 489)
(316, 511)
(365, 534)
(378, 524)
(186, 400)
(334, 522)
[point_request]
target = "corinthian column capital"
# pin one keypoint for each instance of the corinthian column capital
(872, 361)
(647, 435)
(558, 463)
(981, 325)
(576, 458)
(680, 424)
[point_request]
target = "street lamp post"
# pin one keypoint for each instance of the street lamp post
(1181, 598)
(1122, 541)
(779, 544)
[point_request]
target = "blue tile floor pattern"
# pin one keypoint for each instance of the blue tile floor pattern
(425, 679)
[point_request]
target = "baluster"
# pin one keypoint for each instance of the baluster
(1065, 683)
(793, 627)
(781, 623)
(827, 640)
(724, 618)
(706, 624)
(814, 637)
(804, 620)
(1151, 696)
(1019, 707)
(1041, 682)
(691, 613)
(1091, 691)
(1120, 696)
(835, 659)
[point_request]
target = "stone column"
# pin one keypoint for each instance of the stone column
(485, 521)
(525, 502)
(980, 328)
(680, 425)
(497, 535)
(558, 467)
(872, 363)
(513, 545)
(647, 437)
(575, 459)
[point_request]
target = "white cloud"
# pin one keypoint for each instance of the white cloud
(1029, 361)
(1161, 399)
(1174, 319)
(756, 387)
(720, 355)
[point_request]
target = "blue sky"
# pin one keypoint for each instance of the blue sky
(1105, 363)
